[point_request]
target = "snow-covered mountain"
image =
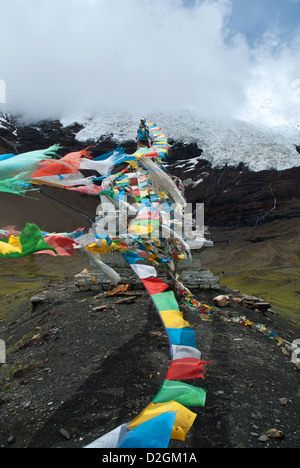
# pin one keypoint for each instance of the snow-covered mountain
(233, 141)
(256, 145)
(205, 154)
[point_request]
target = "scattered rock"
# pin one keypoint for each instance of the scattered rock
(285, 352)
(237, 300)
(37, 300)
(283, 401)
(121, 289)
(11, 440)
(262, 306)
(65, 434)
(275, 434)
(263, 438)
(222, 301)
(126, 300)
(100, 308)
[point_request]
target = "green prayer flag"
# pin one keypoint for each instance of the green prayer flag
(185, 394)
(165, 301)
(109, 193)
(31, 241)
(146, 222)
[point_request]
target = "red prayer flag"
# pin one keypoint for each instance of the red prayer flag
(186, 368)
(87, 189)
(155, 285)
(69, 164)
(64, 246)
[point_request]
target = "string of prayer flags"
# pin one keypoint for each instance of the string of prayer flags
(146, 241)
(185, 363)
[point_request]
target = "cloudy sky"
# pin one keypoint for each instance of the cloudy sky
(215, 57)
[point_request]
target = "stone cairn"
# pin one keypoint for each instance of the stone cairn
(190, 271)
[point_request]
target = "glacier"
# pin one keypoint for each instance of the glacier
(226, 141)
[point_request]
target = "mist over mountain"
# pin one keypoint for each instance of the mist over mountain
(173, 56)
(84, 72)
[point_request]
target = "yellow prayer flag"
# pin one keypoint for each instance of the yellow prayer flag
(139, 230)
(99, 249)
(12, 246)
(183, 421)
(173, 319)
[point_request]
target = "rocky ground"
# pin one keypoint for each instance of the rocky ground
(81, 363)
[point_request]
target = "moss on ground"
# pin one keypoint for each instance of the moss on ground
(16, 302)
(22, 278)
(280, 288)
(262, 261)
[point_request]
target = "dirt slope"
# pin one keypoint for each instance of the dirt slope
(52, 209)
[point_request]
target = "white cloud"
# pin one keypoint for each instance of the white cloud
(133, 55)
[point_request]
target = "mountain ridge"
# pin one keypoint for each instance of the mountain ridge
(234, 195)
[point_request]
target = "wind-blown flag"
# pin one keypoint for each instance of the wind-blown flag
(154, 433)
(183, 421)
(183, 393)
(3, 157)
(28, 242)
(186, 368)
(62, 246)
(15, 171)
(64, 172)
(68, 164)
